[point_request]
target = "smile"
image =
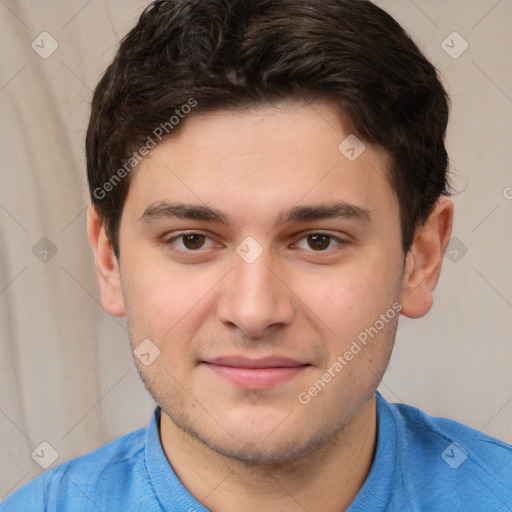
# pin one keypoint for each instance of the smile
(257, 373)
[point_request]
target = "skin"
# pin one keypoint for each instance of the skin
(261, 449)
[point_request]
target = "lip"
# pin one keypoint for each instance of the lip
(262, 362)
(259, 373)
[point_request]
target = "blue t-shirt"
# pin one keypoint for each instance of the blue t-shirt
(421, 464)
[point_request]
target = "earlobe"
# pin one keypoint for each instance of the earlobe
(425, 258)
(107, 266)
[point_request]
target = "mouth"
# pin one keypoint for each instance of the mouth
(260, 373)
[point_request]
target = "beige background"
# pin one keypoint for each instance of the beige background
(66, 372)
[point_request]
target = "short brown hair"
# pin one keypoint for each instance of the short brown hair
(229, 54)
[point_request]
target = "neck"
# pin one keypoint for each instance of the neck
(327, 479)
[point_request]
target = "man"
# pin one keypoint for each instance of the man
(268, 193)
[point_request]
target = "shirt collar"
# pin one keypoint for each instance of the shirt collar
(170, 492)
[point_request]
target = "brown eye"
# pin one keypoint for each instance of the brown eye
(319, 241)
(193, 240)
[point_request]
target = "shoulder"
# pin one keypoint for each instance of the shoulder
(425, 432)
(442, 460)
(111, 468)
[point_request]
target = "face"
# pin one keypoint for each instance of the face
(255, 256)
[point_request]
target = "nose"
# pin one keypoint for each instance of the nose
(254, 298)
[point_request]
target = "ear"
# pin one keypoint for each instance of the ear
(425, 258)
(107, 267)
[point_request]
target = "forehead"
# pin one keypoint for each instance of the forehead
(264, 160)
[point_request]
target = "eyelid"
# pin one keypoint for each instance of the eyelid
(168, 240)
(177, 234)
(304, 234)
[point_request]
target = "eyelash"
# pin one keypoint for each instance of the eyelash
(340, 241)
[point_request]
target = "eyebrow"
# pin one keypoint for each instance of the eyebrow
(337, 210)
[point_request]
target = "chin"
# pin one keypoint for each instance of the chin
(278, 446)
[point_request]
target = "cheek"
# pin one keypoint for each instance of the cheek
(168, 304)
(350, 299)
(161, 292)
(162, 308)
